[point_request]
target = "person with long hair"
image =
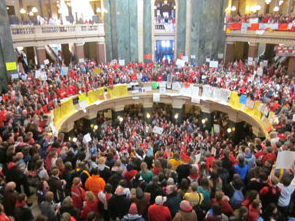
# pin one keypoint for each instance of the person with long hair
(90, 205)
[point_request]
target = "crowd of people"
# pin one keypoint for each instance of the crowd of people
(270, 18)
(127, 172)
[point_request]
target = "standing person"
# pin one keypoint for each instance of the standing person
(90, 205)
(77, 193)
(145, 173)
(48, 208)
(241, 168)
(104, 197)
(173, 199)
(118, 204)
(159, 212)
(95, 183)
(133, 214)
(22, 211)
(57, 186)
(3, 217)
(186, 212)
(9, 198)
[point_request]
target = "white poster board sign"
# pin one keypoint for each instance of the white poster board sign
(83, 104)
(180, 63)
(46, 61)
(216, 128)
(86, 138)
(176, 86)
(156, 97)
(162, 90)
(158, 130)
(122, 62)
(193, 56)
(81, 60)
(184, 58)
(260, 71)
(213, 64)
(285, 159)
(196, 100)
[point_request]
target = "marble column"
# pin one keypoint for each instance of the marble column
(147, 29)
(6, 46)
(177, 115)
(79, 52)
(230, 52)
(188, 28)
(107, 21)
(100, 53)
(140, 29)
(116, 115)
(291, 66)
(253, 50)
(66, 54)
(181, 27)
(30, 55)
(41, 55)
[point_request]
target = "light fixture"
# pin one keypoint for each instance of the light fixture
(281, 2)
(228, 130)
(203, 121)
(267, 1)
(69, 4)
(148, 115)
(70, 138)
(155, 7)
(276, 8)
(165, 2)
(75, 139)
(95, 127)
(7, 8)
(176, 116)
(31, 13)
(98, 10)
(233, 8)
(121, 119)
(253, 8)
(174, 7)
(91, 125)
(34, 9)
(233, 129)
(22, 11)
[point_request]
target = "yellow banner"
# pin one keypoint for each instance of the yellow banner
(118, 90)
(10, 66)
(234, 101)
(66, 108)
(257, 113)
(96, 71)
(82, 97)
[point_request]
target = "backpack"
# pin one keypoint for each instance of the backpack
(237, 198)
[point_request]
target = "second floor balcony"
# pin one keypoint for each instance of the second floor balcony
(27, 35)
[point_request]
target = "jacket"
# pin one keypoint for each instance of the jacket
(89, 207)
(159, 213)
(95, 184)
(173, 201)
(47, 209)
(9, 202)
(250, 160)
(24, 213)
(118, 206)
(187, 216)
(56, 186)
(78, 196)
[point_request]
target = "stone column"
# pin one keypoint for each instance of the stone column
(66, 54)
(147, 110)
(41, 55)
(230, 52)
(253, 49)
(188, 29)
(206, 119)
(79, 51)
(291, 65)
(177, 105)
(140, 29)
(100, 52)
(117, 112)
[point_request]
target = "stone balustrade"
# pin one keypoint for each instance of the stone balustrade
(43, 35)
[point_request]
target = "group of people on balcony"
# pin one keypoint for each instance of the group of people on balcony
(127, 172)
(269, 18)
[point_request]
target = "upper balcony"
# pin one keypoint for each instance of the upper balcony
(261, 33)
(164, 31)
(27, 35)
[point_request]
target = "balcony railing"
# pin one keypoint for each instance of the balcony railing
(24, 33)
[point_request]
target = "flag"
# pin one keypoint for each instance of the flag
(148, 56)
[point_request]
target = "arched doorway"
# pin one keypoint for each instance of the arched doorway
(164, 19)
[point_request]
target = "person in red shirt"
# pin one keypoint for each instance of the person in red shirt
(130, 173)
(254, 210)
(77, 193)
(269, 156)
(222, 200)
(159, 212)
(3, 217)
(90, 205)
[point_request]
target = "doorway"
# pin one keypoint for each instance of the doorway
(164, 51)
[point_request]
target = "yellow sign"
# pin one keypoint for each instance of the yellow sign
(10, 66)
(96, 71)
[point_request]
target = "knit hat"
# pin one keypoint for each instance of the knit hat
(170, 181)
(185, 206)
(139, 193)
(160, 200)
(133, 209)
